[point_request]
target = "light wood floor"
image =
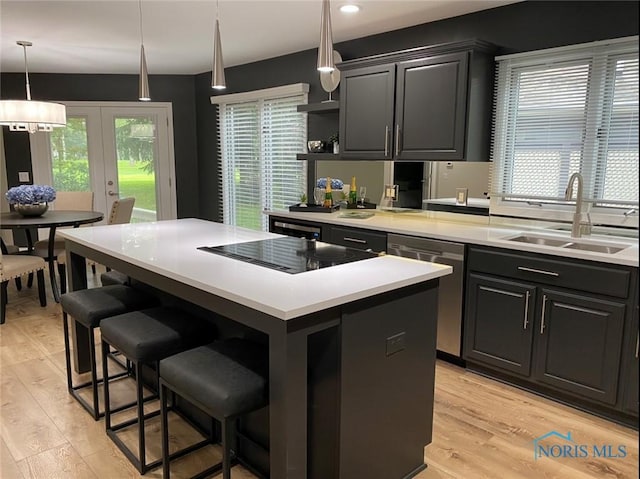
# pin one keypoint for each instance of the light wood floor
(482, 429)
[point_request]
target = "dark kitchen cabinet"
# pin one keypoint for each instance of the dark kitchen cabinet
(499, 329)
(580, 341)
(358, 238)
(366, 112)
(630, 401)
(429, 103)
(556, 325)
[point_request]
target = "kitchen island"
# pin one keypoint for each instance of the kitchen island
(351, 346)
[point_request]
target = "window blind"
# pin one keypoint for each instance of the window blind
(568, 110)
(259, 140)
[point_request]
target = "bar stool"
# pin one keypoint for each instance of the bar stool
(144, 338)
(113, 277)
(89, 307)
(226, 380)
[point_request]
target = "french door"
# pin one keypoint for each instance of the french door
(116, 150)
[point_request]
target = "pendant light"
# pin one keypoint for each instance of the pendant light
(217, 74)
(325, 51)
(29, 115)
(143, 86)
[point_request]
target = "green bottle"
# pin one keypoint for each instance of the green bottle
(353, 194)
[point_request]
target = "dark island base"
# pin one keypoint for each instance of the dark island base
(351, 387)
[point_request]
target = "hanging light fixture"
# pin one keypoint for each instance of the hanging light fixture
(29, 115)
(143, 86)
(325, 51)
(217, 74)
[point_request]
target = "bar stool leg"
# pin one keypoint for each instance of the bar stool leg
(105, 374)
(67, 350)
(141, 435)
(227, 432)
(164, 426)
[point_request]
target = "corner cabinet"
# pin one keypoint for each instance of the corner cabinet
(554, 325)
(429, 103)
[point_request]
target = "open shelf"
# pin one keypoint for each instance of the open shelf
(323, 106)
(317, 156)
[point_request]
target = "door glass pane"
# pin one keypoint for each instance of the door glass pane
(136, 157)
(70, 156)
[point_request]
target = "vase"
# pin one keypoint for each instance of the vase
(31, 209)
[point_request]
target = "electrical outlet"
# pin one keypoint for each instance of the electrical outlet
(23, 176)
(395, 343)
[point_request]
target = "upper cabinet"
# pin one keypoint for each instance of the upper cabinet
(429, 103)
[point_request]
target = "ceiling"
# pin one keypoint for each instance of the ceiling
(103, 36)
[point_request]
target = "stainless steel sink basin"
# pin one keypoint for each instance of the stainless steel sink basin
(569, 243)
(541, 240)
(597, 248)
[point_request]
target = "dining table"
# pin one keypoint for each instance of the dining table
(51, 219)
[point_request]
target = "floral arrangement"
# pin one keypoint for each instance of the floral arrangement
(336, 184)
(30, 194)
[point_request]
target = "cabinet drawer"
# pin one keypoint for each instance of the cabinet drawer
(598, 278)
(360, 239)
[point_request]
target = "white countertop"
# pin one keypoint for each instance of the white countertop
(475, 230)
(169, 248)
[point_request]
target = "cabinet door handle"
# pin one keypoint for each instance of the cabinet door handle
(386, 140)
(544, 307)
(539, 271)
(637, 340)
(354, 240)
(526, 311)
(397, 139)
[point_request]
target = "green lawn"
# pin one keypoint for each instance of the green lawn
(133, 181)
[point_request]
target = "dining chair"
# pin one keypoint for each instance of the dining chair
(121, 211)
(65, 201)
(13, 266)
(6, 242)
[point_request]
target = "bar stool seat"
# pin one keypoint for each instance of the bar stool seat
(89, 307)
(113, 277)
(145, 337)
(225, 379)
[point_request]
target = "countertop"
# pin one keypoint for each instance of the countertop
(170, 248)
(476, 230)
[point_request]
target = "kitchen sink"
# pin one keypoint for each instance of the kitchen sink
(541, 240)
(597, 248)
(570, 243)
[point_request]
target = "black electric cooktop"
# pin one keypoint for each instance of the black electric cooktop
(289, 254)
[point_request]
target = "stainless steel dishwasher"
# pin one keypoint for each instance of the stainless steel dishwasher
(450, 298)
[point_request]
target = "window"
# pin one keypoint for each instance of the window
(566, 110)
(260, 134)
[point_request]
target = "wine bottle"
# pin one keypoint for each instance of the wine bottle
(353, 193)
(328, 196)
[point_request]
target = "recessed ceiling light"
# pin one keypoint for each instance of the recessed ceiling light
(349, 8)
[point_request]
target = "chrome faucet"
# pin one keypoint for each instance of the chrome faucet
(578, 227)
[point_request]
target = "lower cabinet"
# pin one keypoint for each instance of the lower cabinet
(357, 238)
(522, 320)
(630, 401)
(499, 330)
(579, 344)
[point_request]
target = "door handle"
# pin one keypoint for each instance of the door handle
(397, 139)
(386, 140)
(544, 307)
(113, 193)
(526, 311)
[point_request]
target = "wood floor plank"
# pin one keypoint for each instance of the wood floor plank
(59, 462)
(8, 467)
(24, 426)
